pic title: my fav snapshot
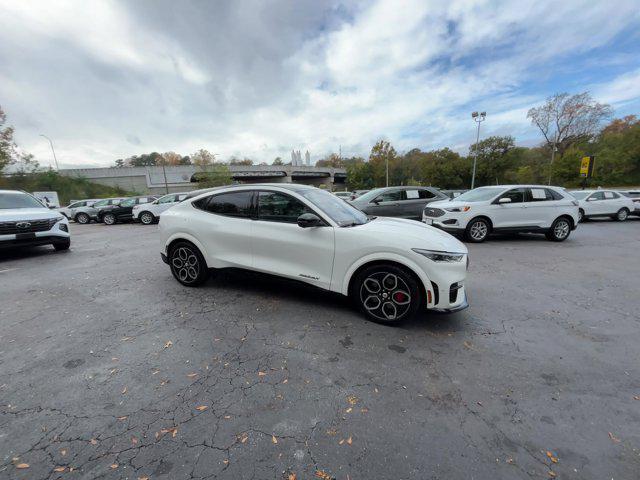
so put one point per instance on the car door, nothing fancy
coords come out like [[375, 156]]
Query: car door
[[613, 202], [222, 223], [595, 204], [387, 204], [414, 200], [281, 247], [540, 206], [510, 215]]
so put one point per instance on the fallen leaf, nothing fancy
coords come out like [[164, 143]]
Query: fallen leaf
[[227, 417], [225, 461], [348, 410], [155, 372], [332, 431], [112, 371], [614, 438], [126, 339], [292, 476], [262, 374], [244, 439], [479, 403], [122, 418], [201, 408], [114, 466], [510, 461], [143, 478], [551, 457], [352, 399], [22, 465], [349, 440], [286, 380], [467, 345], [341, 442], [274, 439], [637, 397], [168, 344], [323, 475], [59, 469], [63, 452], [191, 375], [134, 440], [124, 390], [552, 474], [93, 441], [364, 410]]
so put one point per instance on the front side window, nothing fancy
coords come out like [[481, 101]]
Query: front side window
[[597, 196], [18, 200], [128, 203], [232, 204], [391, 196], [516, 195], [167, 199], [279, 207], [102, 203]]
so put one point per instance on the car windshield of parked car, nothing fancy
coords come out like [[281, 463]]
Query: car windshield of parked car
[[338, 210], [370, 195], [18, 200], [580, 195], [481, 194]]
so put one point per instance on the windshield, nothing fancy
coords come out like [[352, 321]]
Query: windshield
[[128, 203], [18, 200], [580, 195], [481, 194], [338, 210], [101, 203], [370, 195]]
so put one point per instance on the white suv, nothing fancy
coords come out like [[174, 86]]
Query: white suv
[[391, 267], [603, 203], [25, 222], [148, 213], [506, 208]]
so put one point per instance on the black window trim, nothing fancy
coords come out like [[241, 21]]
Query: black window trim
[[255, 207]]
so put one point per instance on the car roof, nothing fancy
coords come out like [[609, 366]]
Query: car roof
[[14, 191], [294, 187]]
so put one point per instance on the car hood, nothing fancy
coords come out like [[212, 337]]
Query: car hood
[[412, 233], [16, 214], [447, 204]]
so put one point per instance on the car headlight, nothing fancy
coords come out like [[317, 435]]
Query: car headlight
[[438, 256], [458, 209], [61, 217]]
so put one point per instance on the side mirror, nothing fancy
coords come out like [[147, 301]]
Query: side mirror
[[376, 201], [307, 220], [51, 207], [590, 199], [504, 200]]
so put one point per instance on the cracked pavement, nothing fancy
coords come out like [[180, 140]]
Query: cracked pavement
[[110, 369]]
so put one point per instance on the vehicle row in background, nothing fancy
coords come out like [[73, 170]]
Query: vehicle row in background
[[403, 202], [149, 213], [121, 211], [506, 208]]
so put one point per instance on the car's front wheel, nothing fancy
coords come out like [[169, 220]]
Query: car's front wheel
[[187, 264], [109, 219], [622, 215], [477, 230], [560, 230], [386, 293], [580, 215], [146, 218], [83, 218]]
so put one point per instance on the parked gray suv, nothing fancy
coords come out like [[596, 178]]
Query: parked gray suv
[[404, 202]]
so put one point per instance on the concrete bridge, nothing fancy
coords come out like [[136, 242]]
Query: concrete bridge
[[159, 180]]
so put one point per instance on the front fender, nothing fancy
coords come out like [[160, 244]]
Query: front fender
[[184, 236], [390, 257]]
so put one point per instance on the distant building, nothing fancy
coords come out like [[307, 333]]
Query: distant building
[[307, 159]]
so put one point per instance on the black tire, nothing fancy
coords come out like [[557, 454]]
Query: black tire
[[146, 218], [63, 245], [622, 215], [187, 264], [109, 219], [560, 230], [477, 230], [394, 305], [581, 216], [83, 218]]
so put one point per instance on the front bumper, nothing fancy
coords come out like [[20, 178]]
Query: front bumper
[[31, 240], [464, 304]]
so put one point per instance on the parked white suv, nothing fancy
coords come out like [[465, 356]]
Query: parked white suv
[[26, 222], [603, 203], [391, 267], [506, 208], [149, 213]]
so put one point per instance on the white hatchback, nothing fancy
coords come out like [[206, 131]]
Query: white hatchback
[[506, 208], [391, 267], [603, 203], [149, 213]]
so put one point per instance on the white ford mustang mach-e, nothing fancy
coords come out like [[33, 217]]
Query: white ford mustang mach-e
[[392, 268]]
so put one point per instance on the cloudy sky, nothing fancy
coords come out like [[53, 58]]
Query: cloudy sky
[[108, 79]]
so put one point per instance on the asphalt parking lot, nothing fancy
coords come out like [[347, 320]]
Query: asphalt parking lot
[[111, 369]]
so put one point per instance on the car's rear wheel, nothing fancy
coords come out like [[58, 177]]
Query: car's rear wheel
[[187, 264], [109, 219], [83, 218], [62, 245], [386, 293], [477, 230], [622, 215], [560, 230], [146, 218]]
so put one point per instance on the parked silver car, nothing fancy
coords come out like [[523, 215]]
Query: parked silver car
[[404, 202], [90, 211], [74, 207]]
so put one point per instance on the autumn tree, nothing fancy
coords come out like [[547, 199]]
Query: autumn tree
[[7, 145], [277, 161], [203, 158], [171, 159], [567, 119], [381, 159], [332, 160]]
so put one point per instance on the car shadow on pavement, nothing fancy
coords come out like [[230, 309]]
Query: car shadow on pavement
[[7, 254]]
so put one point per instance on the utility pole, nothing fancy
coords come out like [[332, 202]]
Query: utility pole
[[478, 118], [52, 150], [553, 157], [164, 173]]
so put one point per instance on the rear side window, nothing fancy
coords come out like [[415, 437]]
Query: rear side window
[[232, 204], [279, 207], [542, 195], [610, 195], [392, 196]]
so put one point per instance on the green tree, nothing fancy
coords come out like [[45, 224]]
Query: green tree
[[277, 161], [7, 145], [493, 160], [382, 154], [332, 160], [216, 175]]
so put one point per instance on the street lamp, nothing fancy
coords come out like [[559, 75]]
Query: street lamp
[[478, 118], [54, 152]]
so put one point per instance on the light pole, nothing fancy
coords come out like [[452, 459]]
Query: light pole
[[386, 161], [54, 152], [478, 118]]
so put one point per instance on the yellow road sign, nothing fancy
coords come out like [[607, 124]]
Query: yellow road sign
[[586, 166]]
